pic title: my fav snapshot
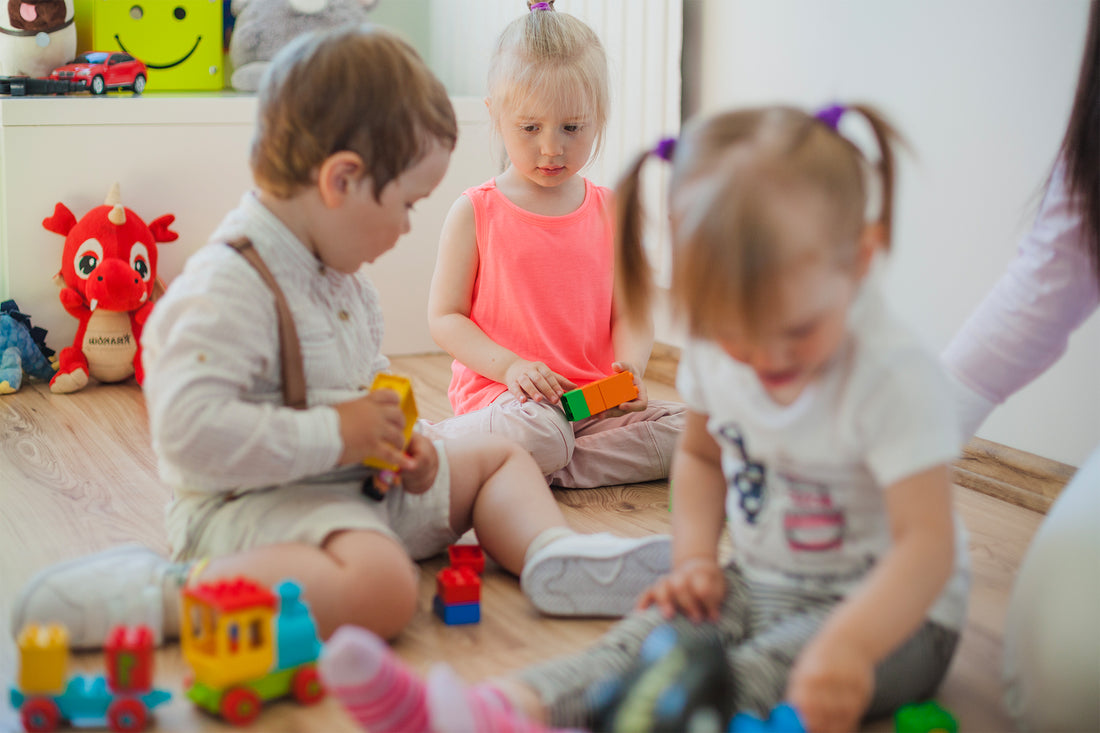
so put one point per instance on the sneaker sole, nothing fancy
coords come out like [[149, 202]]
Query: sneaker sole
[[575, 586]]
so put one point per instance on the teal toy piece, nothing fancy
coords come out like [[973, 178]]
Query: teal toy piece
[[87, 701], [297, 641], [22, 349]]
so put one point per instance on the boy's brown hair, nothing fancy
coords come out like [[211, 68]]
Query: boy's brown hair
[[361, 89]]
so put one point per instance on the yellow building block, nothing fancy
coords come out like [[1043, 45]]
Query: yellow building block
[[403, 387], [44, 658]]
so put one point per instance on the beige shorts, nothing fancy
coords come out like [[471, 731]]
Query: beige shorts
[[214, 525]]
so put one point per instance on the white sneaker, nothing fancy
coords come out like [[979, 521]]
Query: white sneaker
[[92, 594], [594, 574]]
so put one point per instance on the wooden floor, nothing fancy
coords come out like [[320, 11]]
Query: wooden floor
[[77, 475]]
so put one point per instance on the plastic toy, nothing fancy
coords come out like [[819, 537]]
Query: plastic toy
[[783, 719], [678, 684], [603, 394], [109, 269], [469, 556], [246, 646], [457, 596], [22, 349], [122, 700], [924, 717], [98, 71], [28, 86], [386, 477], [36, 36], [262, 27], [179, 41]]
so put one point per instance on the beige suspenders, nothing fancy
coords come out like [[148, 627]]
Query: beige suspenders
[[294, 378]]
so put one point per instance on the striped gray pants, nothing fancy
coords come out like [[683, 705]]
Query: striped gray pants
[[762, 629]]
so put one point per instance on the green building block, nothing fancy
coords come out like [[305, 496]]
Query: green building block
[[575, 405], [924, 717]]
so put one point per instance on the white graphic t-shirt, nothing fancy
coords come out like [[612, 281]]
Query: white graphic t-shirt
[[805, 503]]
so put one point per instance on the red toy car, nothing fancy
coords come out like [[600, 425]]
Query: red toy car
[[99, 71]]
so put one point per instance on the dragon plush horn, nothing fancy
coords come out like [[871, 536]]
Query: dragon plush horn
[[114, 200]]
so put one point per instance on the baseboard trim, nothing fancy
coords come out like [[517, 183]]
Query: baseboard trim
[[997, 470]]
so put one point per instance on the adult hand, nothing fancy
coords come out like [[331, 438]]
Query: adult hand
[[536, 381], [694, 588]]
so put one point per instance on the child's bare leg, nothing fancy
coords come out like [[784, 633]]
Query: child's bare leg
[[356, 577], [497, 488]]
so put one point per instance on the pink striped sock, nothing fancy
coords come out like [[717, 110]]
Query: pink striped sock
[[374, 686], [454, 708]]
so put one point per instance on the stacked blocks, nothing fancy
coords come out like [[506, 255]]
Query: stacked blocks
[[458, 587], [603, 394]]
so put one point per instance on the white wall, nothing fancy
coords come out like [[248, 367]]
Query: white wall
[[982, 90]]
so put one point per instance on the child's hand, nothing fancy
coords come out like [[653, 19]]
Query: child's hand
[[536, 381], [639, 403], [694, 588], [831, 685], [372, 425], [420, 466]]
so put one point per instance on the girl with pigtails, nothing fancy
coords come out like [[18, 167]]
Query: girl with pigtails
[[522, 296], [819, 431]]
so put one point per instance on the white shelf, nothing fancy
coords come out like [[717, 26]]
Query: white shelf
[[184, 154]]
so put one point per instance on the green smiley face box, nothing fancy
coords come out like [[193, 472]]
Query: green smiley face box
[[179, 41]]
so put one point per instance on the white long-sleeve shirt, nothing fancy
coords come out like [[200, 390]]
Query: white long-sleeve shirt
[[1023, 325], [213, 378]]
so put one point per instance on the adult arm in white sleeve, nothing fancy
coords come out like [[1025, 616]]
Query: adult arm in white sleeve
[[1023, 325]]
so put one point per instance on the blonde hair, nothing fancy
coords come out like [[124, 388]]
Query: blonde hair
[[744, 171], [550, 56], [361, 89]]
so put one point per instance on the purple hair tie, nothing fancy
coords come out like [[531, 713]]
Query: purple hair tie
[[540, 6], [665, 148], [831, 115]]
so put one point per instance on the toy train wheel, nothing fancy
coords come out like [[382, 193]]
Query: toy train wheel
[[40, 714], [127, 715], [240, 706], [307, 686]]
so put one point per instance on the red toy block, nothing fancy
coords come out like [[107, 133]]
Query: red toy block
[[458, 585], [129, 651], [469, 556]]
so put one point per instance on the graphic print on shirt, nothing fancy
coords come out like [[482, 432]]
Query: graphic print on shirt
[[811, 523], [748, 482]]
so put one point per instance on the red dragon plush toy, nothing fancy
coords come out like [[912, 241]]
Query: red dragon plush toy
[[109, 269]]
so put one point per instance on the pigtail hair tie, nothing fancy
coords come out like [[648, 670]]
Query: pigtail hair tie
[[665, 149], [831, 115], [539, 6]]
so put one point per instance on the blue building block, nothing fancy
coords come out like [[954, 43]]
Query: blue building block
[[456, 614], [783, 719]]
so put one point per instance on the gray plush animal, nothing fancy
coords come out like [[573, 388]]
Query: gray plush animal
[[262, 27]]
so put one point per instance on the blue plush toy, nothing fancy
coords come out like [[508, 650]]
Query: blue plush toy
[[22, 349]]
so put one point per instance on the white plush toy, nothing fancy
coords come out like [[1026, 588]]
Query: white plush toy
[[262, 27], [36, 36]]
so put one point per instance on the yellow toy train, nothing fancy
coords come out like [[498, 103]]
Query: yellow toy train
[[246, 645]]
